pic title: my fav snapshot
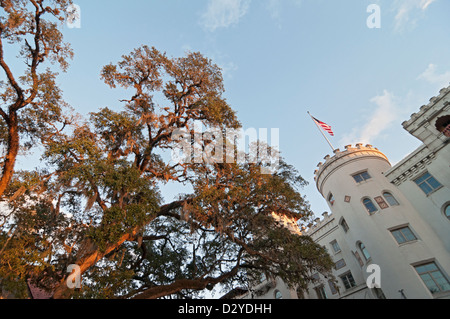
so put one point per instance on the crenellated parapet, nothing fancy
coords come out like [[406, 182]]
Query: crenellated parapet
[[340, 158], [427, 111], [319, 225]]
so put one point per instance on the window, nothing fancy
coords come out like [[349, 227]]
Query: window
[[348, 280], [278, 295], [447, 211], [339, 264], [433, 278], [320, 291], [370, 206], [390, 199], [446, 130], [262, 278], [443, 125], [331, 199], [315, 277], [403, 235], [361, 177], [333, 287], [427, 183], [344, 225], [335, 245], [358, 258], [364, 251]]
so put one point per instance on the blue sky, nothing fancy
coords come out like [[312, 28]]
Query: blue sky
[[280, 59]]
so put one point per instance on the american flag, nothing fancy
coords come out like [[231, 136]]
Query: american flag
[[323, 125]]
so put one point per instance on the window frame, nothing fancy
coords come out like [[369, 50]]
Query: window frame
[[358, 258], [321, 292], [344, 225], [364, 251], [399, 230], [361, 176], [333, 243], [363, 200], [446, 208], [390, 197], [333, 288], [433, 278], [425, 182], [340, 264], [346, 280]]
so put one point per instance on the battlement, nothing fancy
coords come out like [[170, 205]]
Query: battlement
[[425, 108], [342, 157], [317, 224]]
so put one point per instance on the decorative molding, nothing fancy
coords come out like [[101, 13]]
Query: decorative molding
[[413, 170], [344, 157]]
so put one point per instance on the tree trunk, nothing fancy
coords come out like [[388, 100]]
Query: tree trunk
[[195, 284], [181, 284], [12, 151], [88, 256], [89, 253]]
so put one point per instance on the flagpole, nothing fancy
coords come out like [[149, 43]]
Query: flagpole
[[321, 131]]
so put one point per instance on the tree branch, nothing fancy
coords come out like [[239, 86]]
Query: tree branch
[[182, 284], [90, 254], [8, 72]]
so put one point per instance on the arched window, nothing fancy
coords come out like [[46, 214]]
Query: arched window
[[364, 251], [443, 125], [344, 225], [447, 211], [390, 199], [370, 206]]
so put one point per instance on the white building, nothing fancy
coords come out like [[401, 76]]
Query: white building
[[396, 218], [389, 224]]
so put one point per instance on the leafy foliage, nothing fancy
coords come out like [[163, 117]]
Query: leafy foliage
[[97, 204]]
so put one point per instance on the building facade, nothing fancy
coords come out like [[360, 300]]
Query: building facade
[[389, 231], [389, 227]]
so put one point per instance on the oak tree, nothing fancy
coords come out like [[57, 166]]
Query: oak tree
[[31, 102], [98, 204]]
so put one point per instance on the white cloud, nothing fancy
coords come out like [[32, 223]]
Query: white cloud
[[228, 68], [409, 12], [430, 75], [385, 113], [224, 13], [425, 3], [275, 8]]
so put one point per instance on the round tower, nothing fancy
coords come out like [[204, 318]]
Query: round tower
[[341, 172]]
